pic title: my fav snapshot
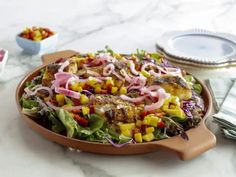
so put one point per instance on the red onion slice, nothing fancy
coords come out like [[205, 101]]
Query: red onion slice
[[143, 68], [108, 69], [52, 106], [120, 145], [128, 78], [63, 66], [132, 68], [162, 95], [118, 76], [29, 92], [133, 100], [67, 92]]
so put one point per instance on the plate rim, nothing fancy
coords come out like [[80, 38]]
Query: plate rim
[[163, 44]]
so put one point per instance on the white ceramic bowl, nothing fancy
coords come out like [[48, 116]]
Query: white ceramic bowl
[[34, 47]]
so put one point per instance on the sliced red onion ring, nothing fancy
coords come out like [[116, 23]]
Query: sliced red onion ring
[[52, 106], [70, 82], [102, 58], [29, 92], [67, 92], [120, 145], [63, 66], [93, 73], [133, 100], [132, 68], [108, 69], [118, 76], [154, 73], [162, 95], [143, 68], [128, 78]]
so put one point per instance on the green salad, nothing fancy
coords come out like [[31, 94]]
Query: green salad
[[108, 97]]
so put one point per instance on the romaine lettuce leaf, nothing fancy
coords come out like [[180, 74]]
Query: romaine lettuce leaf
[[71, 125]]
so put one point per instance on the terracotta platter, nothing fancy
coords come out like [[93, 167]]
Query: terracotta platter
[[200, 138]]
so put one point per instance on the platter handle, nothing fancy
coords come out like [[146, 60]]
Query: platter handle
[[200, 140], [52, 57]]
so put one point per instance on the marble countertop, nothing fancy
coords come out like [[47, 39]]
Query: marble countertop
[[87, 26]]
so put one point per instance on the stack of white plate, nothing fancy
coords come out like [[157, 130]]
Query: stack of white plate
[[199, 47]]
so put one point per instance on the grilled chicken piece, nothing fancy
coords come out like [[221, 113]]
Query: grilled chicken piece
[[174, 85], [48, 75], [115, 109], [73, 67]]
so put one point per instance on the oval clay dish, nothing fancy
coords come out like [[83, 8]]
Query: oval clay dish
[[200, 138]]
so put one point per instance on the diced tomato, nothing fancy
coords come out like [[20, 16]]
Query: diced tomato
[[76, 101], [161, 125], [82, 121], [143, 114]]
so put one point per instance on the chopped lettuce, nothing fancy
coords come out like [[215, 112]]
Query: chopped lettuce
[[71, 125], [28, 103], [30, 112], [57, 126], [95, 122], [194, 84], [197, 88]]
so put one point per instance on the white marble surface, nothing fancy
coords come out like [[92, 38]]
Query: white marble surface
[[87, 26]]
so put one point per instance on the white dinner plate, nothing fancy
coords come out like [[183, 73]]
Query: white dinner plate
[[199, 46]]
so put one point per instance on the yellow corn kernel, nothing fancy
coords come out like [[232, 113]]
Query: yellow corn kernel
[[123, 90], [148, 137], [138, 137], [145, 74], [84, 99], [114, 90], [85, 110], [138, 123], [126, 133], [127, 126], [149, 130], [60, 98]]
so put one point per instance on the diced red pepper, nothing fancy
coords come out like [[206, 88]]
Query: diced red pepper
[[82, 121], [76, 101], [76, 111], [143, 127], [143, 114], [161, 125], [109, 87]]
